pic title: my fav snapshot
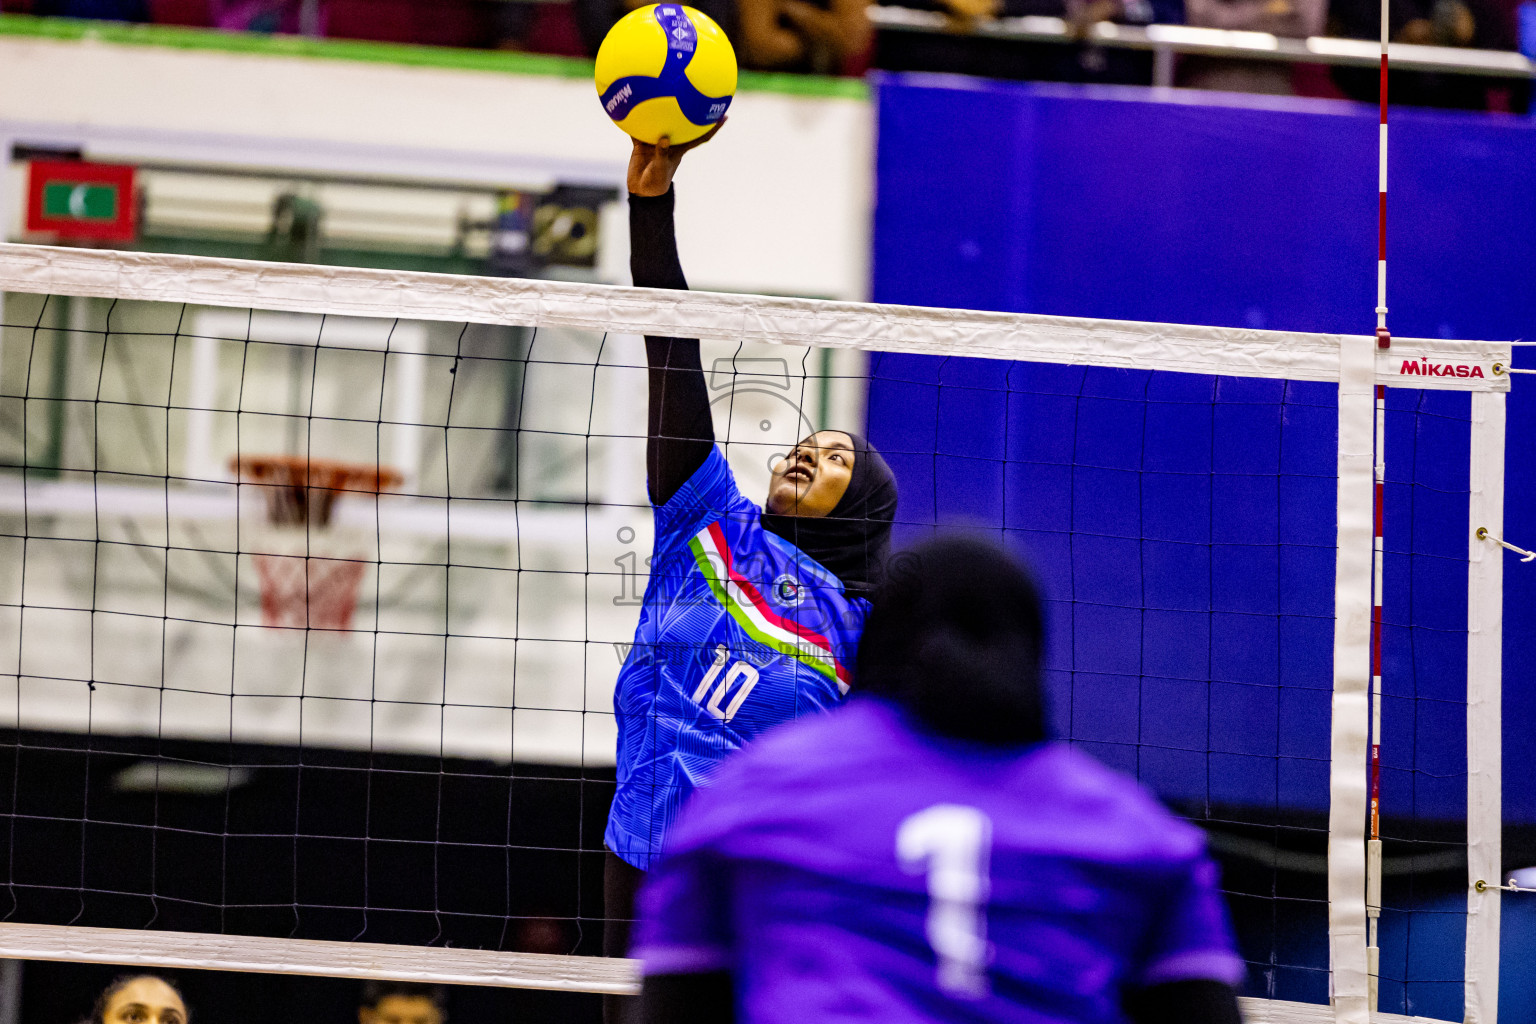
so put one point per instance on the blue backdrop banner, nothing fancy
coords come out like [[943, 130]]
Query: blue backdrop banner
[[1183, 527]]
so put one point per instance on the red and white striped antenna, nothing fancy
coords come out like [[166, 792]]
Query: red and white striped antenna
[[1383, 340], [1383, 336]]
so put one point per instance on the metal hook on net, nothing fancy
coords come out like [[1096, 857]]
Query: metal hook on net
[[1483, 534], [1510, 886]]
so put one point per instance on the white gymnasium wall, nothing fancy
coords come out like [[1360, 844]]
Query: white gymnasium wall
[[121, 568], [780, 203]]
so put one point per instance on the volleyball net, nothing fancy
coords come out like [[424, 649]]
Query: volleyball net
[[316, 582]]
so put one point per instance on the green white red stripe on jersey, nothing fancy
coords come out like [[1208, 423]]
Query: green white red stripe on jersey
[[741, 599]]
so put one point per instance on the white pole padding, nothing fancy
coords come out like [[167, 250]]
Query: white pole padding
[[1350, 971], [1485, 749], [1373, 872]]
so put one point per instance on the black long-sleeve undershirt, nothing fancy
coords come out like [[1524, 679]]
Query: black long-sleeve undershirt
[[680, 433]]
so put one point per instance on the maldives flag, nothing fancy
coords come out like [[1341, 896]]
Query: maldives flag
[[82, 200]]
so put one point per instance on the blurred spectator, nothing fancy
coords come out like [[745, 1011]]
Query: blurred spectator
[[824, 36], [401, 1002], [140, 999], [429, 22], [291, 16], [1096, 63], [830, 37], [102, 10], [1295, 18], [963, 53], [1481, 24], [194, 13], [538, 27]]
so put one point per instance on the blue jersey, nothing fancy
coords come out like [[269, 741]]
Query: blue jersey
[[739, 630], [856, 869]]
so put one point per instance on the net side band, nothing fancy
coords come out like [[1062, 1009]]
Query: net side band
[[1224, 351], [1485, 716], [1351, 682]]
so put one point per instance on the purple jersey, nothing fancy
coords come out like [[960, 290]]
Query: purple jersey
[[851, 868]]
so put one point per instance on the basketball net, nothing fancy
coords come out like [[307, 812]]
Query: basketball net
[[302, 587]]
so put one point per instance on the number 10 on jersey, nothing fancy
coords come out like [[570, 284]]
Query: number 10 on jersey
[[740, 675]]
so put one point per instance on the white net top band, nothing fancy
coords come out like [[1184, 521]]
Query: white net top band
[[432, 965], [1226, 351]]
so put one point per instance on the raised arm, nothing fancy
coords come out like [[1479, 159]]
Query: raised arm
[[680, 434]]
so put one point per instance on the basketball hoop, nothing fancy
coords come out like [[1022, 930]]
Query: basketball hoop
[[299, 588]]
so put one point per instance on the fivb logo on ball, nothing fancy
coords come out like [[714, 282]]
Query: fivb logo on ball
[[666, 70]]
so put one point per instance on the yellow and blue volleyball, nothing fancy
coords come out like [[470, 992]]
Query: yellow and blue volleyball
[[666, 70]]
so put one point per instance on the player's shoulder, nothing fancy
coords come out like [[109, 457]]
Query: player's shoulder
[[709, 483], [1129, 818], [708, 509]]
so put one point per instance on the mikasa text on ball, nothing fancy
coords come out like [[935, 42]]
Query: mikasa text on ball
[[666, 70]]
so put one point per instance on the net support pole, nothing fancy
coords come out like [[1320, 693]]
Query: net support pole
[[1353, 603], [1485, 622], [1383, 341], [1383, 338], [1378, 562]]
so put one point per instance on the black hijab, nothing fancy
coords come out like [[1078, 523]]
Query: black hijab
[[955, 635], [853, 539]]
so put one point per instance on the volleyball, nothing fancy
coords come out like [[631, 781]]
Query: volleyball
[[666, 70]]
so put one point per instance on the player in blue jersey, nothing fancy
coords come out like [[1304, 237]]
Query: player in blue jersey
[[752, 614], [924, 854]]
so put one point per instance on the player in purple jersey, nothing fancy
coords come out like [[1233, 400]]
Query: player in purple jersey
[[752, 614], [924, 853]]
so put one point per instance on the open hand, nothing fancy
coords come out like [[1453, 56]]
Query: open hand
[[651, 167]]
